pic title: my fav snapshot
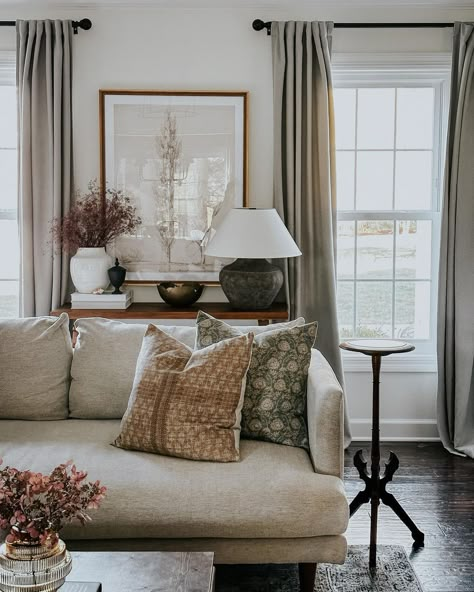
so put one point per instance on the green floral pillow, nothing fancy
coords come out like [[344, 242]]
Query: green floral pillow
[[275, 394]]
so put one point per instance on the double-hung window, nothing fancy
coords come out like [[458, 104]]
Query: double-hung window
[[390, 128], [9, 242]]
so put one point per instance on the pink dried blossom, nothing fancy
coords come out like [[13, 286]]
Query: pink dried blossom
[[35, 507]]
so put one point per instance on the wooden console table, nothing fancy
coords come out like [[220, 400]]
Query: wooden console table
[[278, 312]]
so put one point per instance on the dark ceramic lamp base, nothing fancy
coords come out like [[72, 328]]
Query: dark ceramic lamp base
[[251, 284]]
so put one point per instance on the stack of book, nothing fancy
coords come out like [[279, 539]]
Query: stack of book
[[106, 300]]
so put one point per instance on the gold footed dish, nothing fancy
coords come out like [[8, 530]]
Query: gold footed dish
[[180, 293]]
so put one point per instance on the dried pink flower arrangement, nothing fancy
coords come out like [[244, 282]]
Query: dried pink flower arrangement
[[94, 221], [34, 507]]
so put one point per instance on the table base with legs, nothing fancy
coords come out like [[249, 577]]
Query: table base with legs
[[375, 487]]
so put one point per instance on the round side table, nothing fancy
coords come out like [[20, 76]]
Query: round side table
[[375, 487]]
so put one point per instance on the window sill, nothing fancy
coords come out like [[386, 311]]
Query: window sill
[[406, 363]]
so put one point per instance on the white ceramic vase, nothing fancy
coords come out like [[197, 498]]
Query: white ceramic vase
[[89, 269]]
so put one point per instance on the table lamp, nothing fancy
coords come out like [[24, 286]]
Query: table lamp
[[251, 236]]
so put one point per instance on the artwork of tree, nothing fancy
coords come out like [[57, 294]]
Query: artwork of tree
[[182, 159], [169, 149]]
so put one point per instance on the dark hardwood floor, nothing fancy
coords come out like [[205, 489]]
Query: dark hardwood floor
[[437, 490]]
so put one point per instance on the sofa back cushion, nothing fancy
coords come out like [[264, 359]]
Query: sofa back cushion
[[103, 367], [105, 359], [35, 362]]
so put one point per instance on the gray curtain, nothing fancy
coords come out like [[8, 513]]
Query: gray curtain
[[304, 175], [45, 158], [456, 272]]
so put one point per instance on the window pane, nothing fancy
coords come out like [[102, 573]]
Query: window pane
[[9, 301], [375, 249], [8, 119], [345, 180], [413, 255], [412, 310], [345, 249], [374, 309], [376, 118], [413, 180], [9, 251], [345, 309], [344, 107], [374, 180], [8, 197], [415, 107]]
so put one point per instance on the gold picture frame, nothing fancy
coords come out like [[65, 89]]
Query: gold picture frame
[[182, 157]]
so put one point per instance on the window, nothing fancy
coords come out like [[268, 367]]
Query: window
[[9, 242], [389, 143]]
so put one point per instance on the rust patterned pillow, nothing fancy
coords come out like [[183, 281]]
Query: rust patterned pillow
[[184, 403], [275, 397]]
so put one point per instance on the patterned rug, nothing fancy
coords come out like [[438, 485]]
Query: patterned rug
[[394, 574]]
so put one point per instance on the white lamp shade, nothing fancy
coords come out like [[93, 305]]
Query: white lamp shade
[[250, 233]]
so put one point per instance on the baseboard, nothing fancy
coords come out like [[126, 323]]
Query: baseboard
[[397, 430]]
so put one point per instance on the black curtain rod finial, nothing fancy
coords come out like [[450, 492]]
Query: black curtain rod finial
[[259, 25], [84, 24]]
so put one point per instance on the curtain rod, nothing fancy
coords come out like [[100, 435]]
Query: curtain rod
[[84, 24], [259, 25]]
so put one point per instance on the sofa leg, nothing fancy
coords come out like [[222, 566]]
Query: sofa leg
[[307, 575]]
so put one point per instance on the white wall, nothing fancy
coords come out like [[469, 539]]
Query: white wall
[[216, 49]]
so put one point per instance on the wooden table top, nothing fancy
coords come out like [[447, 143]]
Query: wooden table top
[[380, 347], [139, 571], [160, 310]]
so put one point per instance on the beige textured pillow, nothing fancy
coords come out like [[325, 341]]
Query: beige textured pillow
[[103, 367], [35, 361], [184, 403]]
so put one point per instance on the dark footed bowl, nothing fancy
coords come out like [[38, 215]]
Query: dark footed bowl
[[180, 294]]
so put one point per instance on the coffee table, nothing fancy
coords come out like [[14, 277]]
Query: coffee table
[[136, 571]]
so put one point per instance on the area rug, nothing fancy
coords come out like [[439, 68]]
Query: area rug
[[394, 574]]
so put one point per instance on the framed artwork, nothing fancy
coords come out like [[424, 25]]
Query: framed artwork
[[181, 157]]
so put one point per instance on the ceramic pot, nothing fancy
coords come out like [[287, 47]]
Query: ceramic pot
[[89, 269], [30, 567]]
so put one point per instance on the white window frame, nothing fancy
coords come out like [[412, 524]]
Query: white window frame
[[7, 78], [406, 69]]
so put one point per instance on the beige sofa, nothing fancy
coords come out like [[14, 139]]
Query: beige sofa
[[277, 505]]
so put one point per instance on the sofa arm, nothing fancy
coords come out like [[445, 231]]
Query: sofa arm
[[325, 414]]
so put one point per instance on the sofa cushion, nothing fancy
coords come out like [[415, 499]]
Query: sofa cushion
[[103, 367], [187, 403], [35, 361], [105, 358], [271, 493]]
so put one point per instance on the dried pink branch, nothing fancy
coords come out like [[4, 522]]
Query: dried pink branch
[[34, 507], [93, 221]]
